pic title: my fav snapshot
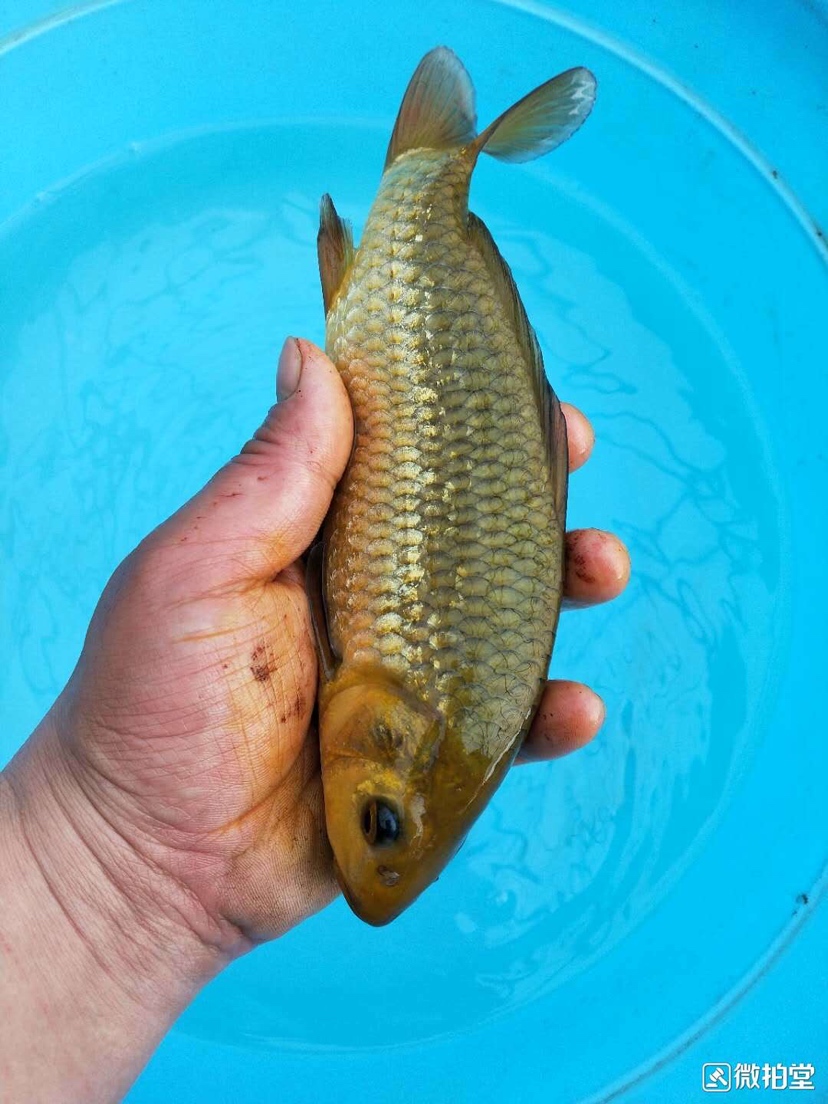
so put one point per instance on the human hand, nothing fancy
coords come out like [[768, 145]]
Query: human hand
[[167, 814], [187, 725]]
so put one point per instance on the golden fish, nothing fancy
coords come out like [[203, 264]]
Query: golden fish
[[436, 589]]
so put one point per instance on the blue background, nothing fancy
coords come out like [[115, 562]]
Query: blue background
[[617, 919]]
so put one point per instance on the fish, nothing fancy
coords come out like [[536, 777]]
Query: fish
[[436, 585]]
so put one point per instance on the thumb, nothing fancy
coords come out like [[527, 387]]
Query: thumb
[[262, 510]]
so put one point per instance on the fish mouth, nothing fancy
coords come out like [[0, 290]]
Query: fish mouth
[[375, 907]]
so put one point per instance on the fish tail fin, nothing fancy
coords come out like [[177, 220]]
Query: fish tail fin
[[542, 120], [437, 111]]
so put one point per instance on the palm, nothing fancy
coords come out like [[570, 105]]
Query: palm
[[205, 738]]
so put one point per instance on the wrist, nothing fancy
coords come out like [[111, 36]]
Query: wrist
[[101, 949], [132, 914]]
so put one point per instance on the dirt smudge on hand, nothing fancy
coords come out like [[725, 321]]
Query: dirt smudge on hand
[[260, 665]]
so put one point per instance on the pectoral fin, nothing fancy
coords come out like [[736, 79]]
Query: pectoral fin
[[335, 249], [542, 120], [314, 588], [553, 423]]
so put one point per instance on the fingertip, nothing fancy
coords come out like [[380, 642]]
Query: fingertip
[[597, 567], [569, 716], [264, 507], [312, 354], [317, 410], [580, 436]]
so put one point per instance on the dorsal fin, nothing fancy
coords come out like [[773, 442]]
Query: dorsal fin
[[553, 423], [437, 111], [542, 120], [335, 250]]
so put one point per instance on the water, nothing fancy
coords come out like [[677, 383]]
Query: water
[[159, 243], [152, 332]]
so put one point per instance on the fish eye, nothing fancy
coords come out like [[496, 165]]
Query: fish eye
[[380, 823]]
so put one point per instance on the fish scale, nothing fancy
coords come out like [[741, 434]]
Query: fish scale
[[435, 589], [433, 505]]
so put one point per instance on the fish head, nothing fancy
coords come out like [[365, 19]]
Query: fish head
[[378, 743]]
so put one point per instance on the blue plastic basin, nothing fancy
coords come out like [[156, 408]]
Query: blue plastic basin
[[612, 915]]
